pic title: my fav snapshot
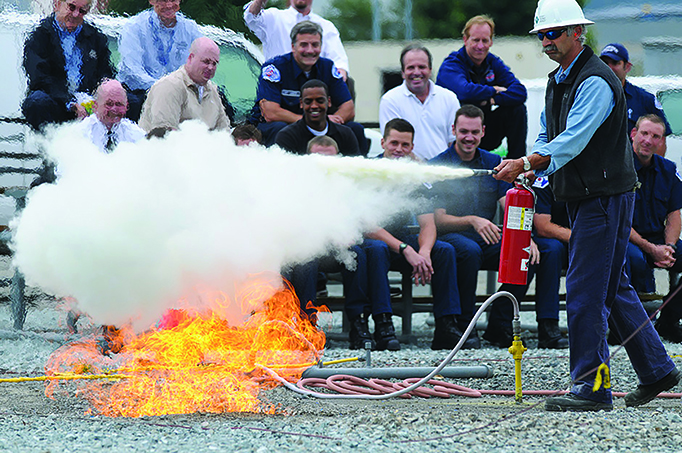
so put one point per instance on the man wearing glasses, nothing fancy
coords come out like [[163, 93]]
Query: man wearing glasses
[[152, 44], [584, 148], [64, 59]]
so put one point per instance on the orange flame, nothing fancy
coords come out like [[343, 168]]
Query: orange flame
[[195, 362]]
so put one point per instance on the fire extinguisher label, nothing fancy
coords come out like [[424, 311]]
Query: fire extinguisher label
[[519, 218], [524, 265]]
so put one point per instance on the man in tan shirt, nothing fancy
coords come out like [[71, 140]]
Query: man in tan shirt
[[187, 93]]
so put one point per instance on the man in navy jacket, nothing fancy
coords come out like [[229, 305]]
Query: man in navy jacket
[[482, 79], [64, 59]]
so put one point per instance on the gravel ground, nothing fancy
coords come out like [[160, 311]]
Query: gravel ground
[[31, 422]]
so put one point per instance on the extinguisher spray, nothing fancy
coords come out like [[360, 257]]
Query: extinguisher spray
[[516, 233]]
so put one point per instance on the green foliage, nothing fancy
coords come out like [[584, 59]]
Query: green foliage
[[353, 18]]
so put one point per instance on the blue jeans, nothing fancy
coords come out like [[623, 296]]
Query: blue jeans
[[597, 287], [443, 282], [39, 108]]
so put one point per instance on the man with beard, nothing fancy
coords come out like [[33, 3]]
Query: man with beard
[[315, 103], [428, 107], [273, 26], [584, 148], [152, 44], [187, 93]]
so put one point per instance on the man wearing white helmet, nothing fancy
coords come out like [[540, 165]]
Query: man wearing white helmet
[[583, 147]]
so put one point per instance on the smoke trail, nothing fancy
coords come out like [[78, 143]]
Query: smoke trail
[[130, 233]]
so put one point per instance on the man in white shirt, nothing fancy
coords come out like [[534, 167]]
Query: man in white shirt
[[272, 26], [429, 108], [152, 44], [107, 126]]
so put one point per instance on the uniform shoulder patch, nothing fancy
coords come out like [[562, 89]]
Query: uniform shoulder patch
[[541, 182], [336, 73], [271, 73]]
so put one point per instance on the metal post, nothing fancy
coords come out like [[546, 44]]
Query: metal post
[[376, 20]]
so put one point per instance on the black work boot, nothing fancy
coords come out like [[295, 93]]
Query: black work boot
[[359, 333], [446, 335], [499, 335], [668, 329], [549, 335], [472, 341], [384, 333]]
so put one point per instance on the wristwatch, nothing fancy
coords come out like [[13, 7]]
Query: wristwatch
[[526, 163], [401, 248]]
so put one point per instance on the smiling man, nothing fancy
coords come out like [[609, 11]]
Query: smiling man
[[64, 59], [482, 79], [152, 44], [315, 102], [281, 79], [583, 147], [108, 126], [187, 93], [429, 108]]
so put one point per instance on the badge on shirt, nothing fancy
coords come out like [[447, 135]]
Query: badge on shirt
[[541, 182], [336, 73], [271, 73], [490, 76], [93, 54]]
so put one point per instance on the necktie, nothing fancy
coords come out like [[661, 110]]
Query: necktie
[[111, 141]]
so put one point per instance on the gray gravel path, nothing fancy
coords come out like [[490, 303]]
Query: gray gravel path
[[30, 422]]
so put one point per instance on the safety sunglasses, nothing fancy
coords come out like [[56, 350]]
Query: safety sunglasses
[[73, 8], [551, 35]]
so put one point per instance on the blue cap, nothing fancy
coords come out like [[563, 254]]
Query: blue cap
[[616, 52]]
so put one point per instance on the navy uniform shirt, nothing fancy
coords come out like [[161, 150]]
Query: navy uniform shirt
[[660, 194], [640, 102], [281, 79], [546, 204], [476, 195]]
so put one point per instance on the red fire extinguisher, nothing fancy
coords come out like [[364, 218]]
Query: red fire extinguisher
[[516, 233]]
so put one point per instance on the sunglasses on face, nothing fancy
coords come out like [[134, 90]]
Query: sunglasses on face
[[73, 8], [551, 35]]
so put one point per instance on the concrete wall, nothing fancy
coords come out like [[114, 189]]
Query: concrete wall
[[369, 60]]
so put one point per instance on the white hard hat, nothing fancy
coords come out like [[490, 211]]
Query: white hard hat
[[558, 13]]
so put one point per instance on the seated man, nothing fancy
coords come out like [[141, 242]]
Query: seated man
[[639, 101], [279, 87], [430, 108], [108, 127], [465, 209], [656, 223], [303, 277], [431, 261], [315, 103], [245, 134], [482, 79], [273, 27], [64, 59], [152, 44], [187, 93]]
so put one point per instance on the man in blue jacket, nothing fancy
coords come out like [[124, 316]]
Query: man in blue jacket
[[64, 59], [482, 79]]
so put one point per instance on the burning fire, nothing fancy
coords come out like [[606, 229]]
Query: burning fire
[[192, 362]]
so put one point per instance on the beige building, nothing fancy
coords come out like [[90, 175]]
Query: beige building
[[372, 65]]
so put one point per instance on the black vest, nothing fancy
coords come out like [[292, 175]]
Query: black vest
[[606, 166]]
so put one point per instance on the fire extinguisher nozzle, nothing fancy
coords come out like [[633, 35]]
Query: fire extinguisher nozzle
[[484, 172]]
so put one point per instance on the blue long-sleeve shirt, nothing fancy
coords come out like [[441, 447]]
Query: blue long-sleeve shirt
[[149, 50], [475, 84], [593, 103]]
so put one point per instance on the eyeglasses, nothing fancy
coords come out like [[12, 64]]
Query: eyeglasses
[[73, 8], [551, 35]]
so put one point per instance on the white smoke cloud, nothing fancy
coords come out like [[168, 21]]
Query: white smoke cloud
[[130, 233]]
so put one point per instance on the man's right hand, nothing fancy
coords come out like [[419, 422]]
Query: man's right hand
[[663, 256], [422, 269], [490, 232]]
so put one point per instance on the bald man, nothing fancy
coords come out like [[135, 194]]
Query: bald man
[[187, 93], [108, 127]]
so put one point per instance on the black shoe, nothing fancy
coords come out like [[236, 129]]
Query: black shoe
[[646, 393], [549, 335], [359, 333], [498, 335], [384, 333], [472, 341], [669, 330], [446, 335], [575, 403]]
